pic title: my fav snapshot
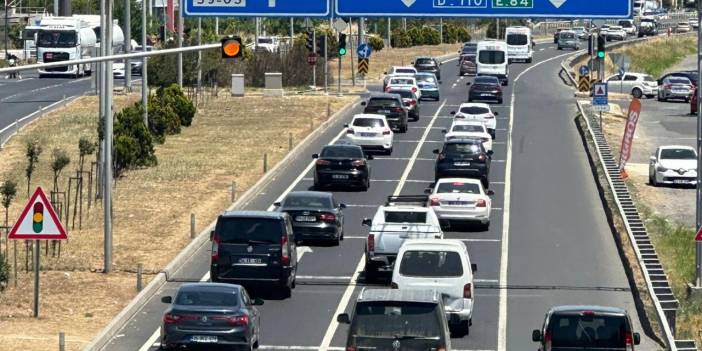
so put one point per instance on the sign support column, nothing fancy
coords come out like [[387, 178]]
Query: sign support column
[[698, 244], [37, 252]]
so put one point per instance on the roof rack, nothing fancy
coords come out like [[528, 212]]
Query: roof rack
[[407, 199]]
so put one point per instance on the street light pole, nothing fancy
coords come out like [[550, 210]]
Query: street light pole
[[128, 44], [698, 244], [144, 68]]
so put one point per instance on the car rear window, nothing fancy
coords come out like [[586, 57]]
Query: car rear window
[[475, 110], [242, 230], [462, 148], [208, 298], [405, 217], [383, 102], [431, 264], [306, 201], [405, 71], [390, 319], [425, 61], [678, 154], [517, 39], [679, 81], [648, 79], [458, 188], [469, 58], [467, 128], [578, 331], [368, 122], [345, 152], [567, 35], [402, 81], [405, 94], [486, 80]]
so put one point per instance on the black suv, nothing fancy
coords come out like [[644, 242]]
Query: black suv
[[389, 105], [463, 158], [428, 64], [586, 327], [342, 164], [254, 248]]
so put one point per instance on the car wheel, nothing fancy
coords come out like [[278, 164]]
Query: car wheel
[[660, 97], [652, 180], [560, 48], [637, 93], [528, 60], [365, 185], [388, 151], [499, 101], [403, 129], [485, 226], [486, 182], [285, 291], [470, 100]]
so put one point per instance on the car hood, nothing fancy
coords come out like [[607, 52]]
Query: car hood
[[678, 164]]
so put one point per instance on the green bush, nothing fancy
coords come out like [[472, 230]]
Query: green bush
[[400, 39], [416, 36], [4, 272], [174, 97], [431, 36], [163, 120], [376, 43], [133, 144]]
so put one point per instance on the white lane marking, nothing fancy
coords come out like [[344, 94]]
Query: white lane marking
[[504, 259], [324, 277], [330, 348], [485, 280], [151, 342], [346, 297], [390, 180], [369, 206], [542, 49]]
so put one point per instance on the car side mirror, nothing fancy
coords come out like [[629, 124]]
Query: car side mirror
[[490, 192], [473, 267], [258, 301], [342, 205], [444, 131], [367, 222], [653, 158], [496, 113], [435, 151], [167, 299], [453, 112], [428, 191], [490, 152], [467, 83], [211, 235], [277, 204], [343, 318], [369, 157], [315, 155], [363, 103], [536, 335], [637, 338]]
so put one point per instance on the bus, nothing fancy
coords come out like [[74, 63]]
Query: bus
[[519, 44], [492, 60]]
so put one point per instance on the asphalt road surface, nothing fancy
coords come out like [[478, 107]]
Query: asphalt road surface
[[548, 244]]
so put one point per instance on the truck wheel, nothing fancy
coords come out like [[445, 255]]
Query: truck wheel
[[371, 271]]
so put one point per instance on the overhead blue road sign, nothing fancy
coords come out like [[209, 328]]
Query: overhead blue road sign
[[258, 8], [364, 51], [485, 8]]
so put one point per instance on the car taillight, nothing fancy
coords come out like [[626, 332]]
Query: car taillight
[[397, 109], [323, 163], [350, 348], [349, 131], [414, 89], [489, 116], [394, 285], [481, 203], [388, 89], [413, 102], [285, 252], [666, 86], [215, 247], [629, 341], [170, 318], [327, 217], [386, 131], [238, 321], [435, 201], [358, 163], [371, 243], [547, 341], [460, 116], [468, 291], [441, 348]]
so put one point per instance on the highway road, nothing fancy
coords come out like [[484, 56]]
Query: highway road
[[549, 242]]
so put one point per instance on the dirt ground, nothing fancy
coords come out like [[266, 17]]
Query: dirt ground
[[152, 206]]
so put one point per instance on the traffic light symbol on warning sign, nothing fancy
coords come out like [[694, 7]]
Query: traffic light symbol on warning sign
[[38, 221], [38, 217]]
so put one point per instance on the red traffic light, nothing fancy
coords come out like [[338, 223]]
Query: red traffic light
[[232, 47]]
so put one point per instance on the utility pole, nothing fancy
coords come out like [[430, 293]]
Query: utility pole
[[441, 30], [314, 67], [404, 23], [353, 48], [498, 28], [292, 31], [7, 56], [199, 54], [128, 44], [106, 94], [179, 38], [326, 63], [144, 68], [698, 244], [389, 32]]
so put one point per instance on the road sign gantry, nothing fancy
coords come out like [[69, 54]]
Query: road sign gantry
[[258, 8]]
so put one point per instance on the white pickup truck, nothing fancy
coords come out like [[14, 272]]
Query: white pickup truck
[[401, 218]]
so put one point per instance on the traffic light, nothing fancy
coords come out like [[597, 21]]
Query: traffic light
[[38, 217], [601, 42], [321, 45], [342, 44], [232, 47], [310, 40]]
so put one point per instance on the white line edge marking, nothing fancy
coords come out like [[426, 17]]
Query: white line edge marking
[[151, 342], [346, 297], [504, 261]]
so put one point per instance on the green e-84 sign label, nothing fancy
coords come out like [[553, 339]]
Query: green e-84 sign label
[[513, 4]]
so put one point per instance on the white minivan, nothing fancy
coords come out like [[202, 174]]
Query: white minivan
[[443, 265], [519, 44], [492, 60]]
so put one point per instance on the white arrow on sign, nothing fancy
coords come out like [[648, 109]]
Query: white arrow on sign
[[409, 3], [558, 3]]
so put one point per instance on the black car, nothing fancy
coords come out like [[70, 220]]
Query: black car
[[463, 158], [428, 64], [211, 314], [342, 164], [469, 49], [648, 28], [254, 248], [390, 106], [485, 88], [409, 99], [315, 215], [691, 75], [585, 328]]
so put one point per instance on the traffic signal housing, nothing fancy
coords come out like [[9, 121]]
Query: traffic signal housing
[[309, 44], [321, 45], [38, 217], [232, 47], [601, 43], [342, 44]]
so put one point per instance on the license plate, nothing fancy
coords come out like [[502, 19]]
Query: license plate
[[250, 260], [204, 338], [340, 176], [679, 91], [383, 111], [305, 219], [461, 163], [484, 94], [679, 181], [458, 203], [367, 135]]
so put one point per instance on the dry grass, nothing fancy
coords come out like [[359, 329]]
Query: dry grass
[[381, 60], [152, 206]]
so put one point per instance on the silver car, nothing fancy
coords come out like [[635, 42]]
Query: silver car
[[568, 39], [675, 88]]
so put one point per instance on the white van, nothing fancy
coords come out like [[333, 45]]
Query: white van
[[492, 60], [519, 44], [444, 265]]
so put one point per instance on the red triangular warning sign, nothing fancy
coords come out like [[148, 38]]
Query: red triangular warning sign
[[698, 236], [38, 221]]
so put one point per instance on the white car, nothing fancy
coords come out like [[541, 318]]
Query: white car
[[471, 130], [673, 164], [616, 33], [461, 199], [477, 111], [637, 84], [682, 27], [398, 71], [404, 82], [443, 265], [371, 132]]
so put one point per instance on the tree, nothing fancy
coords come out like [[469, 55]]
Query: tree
[[85, 148], [59, 161], [33, 151], [8, 190]]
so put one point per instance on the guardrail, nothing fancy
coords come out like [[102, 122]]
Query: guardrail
[[657, 284]]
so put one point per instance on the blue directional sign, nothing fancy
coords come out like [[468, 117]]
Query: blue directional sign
[[584, 70], [364, 51], [600, 97], [258, 8], [485, 8]]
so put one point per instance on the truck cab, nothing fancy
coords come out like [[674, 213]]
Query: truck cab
[[64, 39]]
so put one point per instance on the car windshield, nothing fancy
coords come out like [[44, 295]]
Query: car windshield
[[491, 57], [475, 110], [467, 128], [458, 188], [58, 39], [306, 201], [390, 319], [578, 331], [424, 61], [342, 152], [567, 35], [405, 217], [431, 264], [679, 81], [402, 81], [405, 71], [461, 148], [678, 154], [625, 24], [517, 39], [243, 230], [578, 29], [208, 298], [383, 102], [405, 94], [368, 122]]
